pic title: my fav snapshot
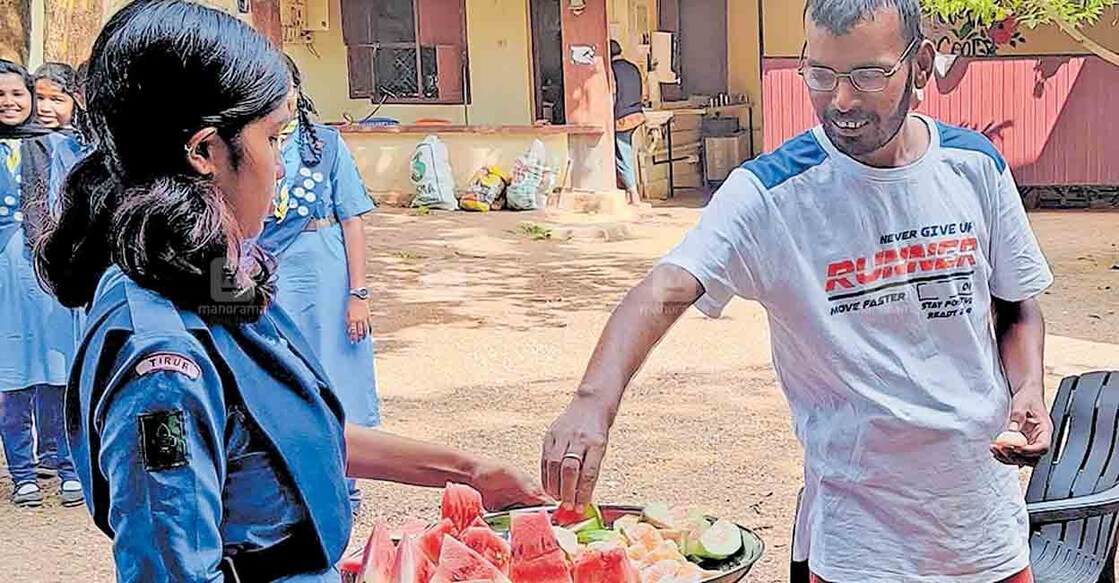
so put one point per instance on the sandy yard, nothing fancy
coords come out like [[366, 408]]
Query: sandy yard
[[482, 334]]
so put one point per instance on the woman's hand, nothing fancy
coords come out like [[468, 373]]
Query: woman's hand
[[504, 487], [357, 319]]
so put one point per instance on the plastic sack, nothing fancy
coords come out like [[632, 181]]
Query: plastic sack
[[432, 177], [486, 191], [532, 179]]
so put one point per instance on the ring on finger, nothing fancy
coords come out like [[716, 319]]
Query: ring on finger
[[572, 456]]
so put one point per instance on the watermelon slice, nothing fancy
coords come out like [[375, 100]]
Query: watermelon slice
[[412, 565], [607, 566], [531, 535], [431, 542], [462, 504], [351, 566], [458, 562], [537, 556], [485, 542], [378, 557], [550, 568]]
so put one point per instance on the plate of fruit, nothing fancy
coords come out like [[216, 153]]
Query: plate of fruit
[[604, 544]]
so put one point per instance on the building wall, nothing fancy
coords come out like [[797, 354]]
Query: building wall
[[499, 52], [784, 33], [744, 63]]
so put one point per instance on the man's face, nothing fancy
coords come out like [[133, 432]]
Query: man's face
[[859, 122]]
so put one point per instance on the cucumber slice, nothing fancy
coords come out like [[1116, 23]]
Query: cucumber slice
[[595, 536], [720, 541]]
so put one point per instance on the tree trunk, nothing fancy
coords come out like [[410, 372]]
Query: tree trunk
[[15, 30], [73, 26]]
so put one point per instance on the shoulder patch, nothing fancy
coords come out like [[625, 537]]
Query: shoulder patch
[[957, 138], [162, 440], [793, 158], [169, 361]]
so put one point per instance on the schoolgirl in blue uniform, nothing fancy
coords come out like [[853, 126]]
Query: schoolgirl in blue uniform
[[37, 335], [59, 107], [316, 236], [206, 433]]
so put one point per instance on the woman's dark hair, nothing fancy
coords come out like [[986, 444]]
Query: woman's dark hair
[[65, 77], [9, 68], [310, 150], [160, 71]]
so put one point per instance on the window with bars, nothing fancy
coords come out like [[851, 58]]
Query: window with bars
[[406, 51]]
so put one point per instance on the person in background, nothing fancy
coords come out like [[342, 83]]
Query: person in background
[[208, 438], [854, 236], [58, 106], [315, 233], [629, 115], [58, 98], [36, 333]]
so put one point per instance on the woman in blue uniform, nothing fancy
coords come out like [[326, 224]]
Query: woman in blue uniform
[[206, 434], [316, 236], [58, 106], [37, 338]]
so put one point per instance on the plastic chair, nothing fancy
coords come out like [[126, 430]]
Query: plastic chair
[[1073, 494]]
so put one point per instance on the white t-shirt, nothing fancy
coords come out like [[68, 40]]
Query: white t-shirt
[[878, 287]]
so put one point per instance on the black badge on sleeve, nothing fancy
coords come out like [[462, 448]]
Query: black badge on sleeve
[[163, 440]]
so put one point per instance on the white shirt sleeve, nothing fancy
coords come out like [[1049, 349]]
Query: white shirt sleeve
[[719, 249], [1018, 267]]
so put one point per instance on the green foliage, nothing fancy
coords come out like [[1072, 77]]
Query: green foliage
[[1028, 13]]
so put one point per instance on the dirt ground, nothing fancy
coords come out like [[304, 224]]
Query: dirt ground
[[482, 334]]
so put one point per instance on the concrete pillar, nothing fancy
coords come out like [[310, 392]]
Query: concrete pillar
[[588, 100]]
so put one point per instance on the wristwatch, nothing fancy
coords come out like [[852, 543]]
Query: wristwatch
[[361, 293]]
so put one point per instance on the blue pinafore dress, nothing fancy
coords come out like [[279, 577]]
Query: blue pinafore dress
[[38, 336], [312, 274]]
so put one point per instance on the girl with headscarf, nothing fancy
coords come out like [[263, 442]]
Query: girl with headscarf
[[315, 233], [59, 106], [59, 103], [37, 340]]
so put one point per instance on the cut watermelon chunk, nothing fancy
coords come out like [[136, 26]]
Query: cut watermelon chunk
[[458, 562], [537, 556], [550, 568], [351, 566], [485, 542], [412, 565], [608, 566], [378, 557], [462, 504], [431, 542], [531, 535]]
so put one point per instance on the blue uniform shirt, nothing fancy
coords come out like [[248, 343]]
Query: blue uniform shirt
[[196, 442]]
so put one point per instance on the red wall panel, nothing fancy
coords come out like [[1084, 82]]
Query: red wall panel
[[1056, 119]]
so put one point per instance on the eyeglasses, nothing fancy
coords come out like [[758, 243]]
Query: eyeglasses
[[865, 79]]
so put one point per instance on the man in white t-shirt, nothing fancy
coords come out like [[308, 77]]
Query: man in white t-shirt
[[899, 274]]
